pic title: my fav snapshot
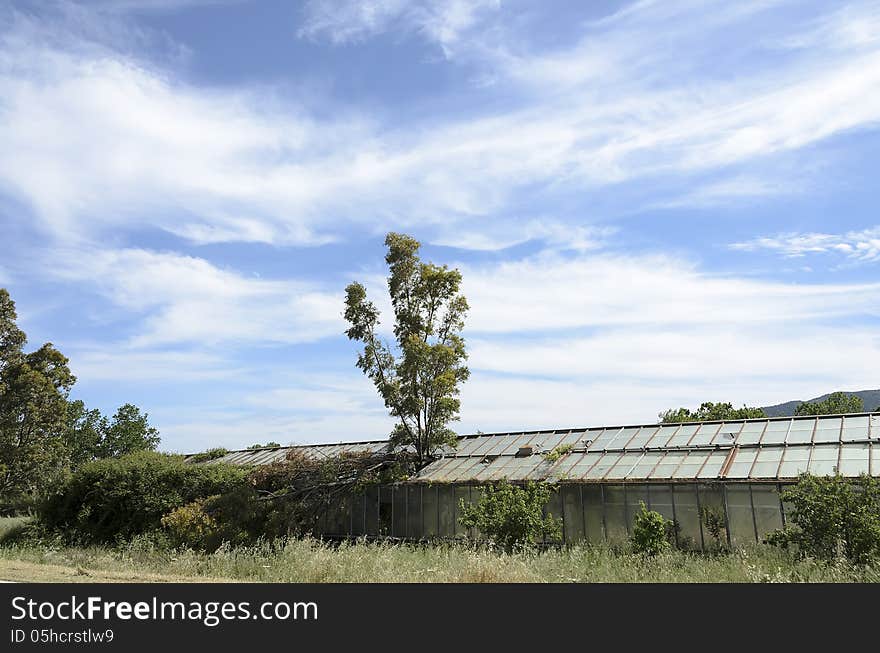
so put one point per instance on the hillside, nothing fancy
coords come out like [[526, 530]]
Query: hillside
[[871, 398]]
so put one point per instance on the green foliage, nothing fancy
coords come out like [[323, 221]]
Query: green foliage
[[557, 452], [210, 454], [512, 517], [90, 436], [33, 399], [117, 498], [837, 403], [709, 411], [236, 518], [419, 378], [833, 517], [268, 445], [651, 532]]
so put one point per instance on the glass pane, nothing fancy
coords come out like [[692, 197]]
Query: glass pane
[[358, 513], [582, 465], [824, 460], [742, 463], [645, 465], [794, 461], [801, 431], [615, 513], [854, 459], [635, 494], [624, 465], [739, 515], [604, 464], [775, 432], [398, 527], [664, 433], [828, 430], [641, 438], [573, 515], [430, 511], [446, 499], [385, 492], [768, 512], [462, 493], [593, 513], [751, 432], [683, 435], [855, 428], [622, 438], [554, 509], [602, 440], [712, 516], [767, 463], [414, 511], [371, 511], [666, 467], [713, 466], [691, 465], [687, 516], [705, 435], [661, 500], [727, 434]]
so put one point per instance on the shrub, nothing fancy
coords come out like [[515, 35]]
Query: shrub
[[210, 454], [651, 532], [833, 517], [557, 452], [512, 517], [116, 498]]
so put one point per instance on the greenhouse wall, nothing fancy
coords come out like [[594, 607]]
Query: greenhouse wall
[[591, 513]]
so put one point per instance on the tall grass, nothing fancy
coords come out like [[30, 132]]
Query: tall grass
[[310, 560]]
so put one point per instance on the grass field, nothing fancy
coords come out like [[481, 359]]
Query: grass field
[[309, 560]]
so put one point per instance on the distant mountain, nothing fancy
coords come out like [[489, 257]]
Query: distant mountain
[[871, 399]]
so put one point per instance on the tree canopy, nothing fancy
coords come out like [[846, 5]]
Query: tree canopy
[[709, 411], [837, 403], [419, 376]]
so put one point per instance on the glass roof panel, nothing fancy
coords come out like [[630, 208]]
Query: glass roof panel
[[875, 460], [855, 428], [645, 465], [602, 440], [582, 466], [727, 434], [666, 467], [691, 465], [742, 463], [621, 439], [828, 430], [775, 432], [705, 434], [601, 468], [683, 435], [824, 460], [623, 466], [751, 432], [712, 468], [662, 436], [641, 438], [854, 459], [801, 431]]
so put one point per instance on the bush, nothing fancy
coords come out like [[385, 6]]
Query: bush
[[651, 532], [512, 517], [115, 499], [210, 454], [834, 517]]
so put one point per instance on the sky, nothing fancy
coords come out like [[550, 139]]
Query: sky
[[652, 203]]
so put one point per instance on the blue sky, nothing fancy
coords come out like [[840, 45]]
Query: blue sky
[[653, 204]]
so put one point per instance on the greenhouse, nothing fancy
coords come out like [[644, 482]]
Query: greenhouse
[[718, 481]]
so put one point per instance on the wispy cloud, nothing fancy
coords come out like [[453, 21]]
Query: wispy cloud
[[859, 246]]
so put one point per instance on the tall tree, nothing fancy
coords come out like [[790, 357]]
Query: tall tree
[[33, 404], [419, 377], [709, 411], [90, 435], [837, 403]]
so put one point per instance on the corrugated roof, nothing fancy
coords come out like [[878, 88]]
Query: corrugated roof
[[754, 449]]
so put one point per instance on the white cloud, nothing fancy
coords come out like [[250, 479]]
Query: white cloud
[[439, 21], [858, 246], [184, 299]]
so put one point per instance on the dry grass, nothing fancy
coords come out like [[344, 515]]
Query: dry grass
[[309, 560]]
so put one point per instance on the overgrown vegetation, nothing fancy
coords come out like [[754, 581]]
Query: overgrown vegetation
[[512, 517], [652, 533], [557, 452], [208, 455], [833, 517]]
